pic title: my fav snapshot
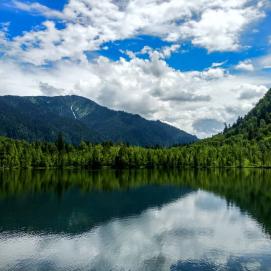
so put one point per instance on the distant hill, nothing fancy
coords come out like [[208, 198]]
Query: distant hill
[[42, 118], [256, 125]]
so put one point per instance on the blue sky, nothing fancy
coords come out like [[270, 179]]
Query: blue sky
[[194, 64]]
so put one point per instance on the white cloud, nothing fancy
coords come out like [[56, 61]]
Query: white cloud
[[48, 90], [264, 62], [163, 52], [220, 29], [248, 91], [245, 65], [150, 86], [167, 51], [215, 25], [145, 86], [37, 9], [219, 64], [3, 36], [214, 73], [208, 126]]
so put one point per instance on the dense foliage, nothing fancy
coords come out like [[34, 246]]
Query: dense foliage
[[206, 154], [78, 118], [246, 144]]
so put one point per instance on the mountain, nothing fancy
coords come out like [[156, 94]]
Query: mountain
[[245, 144], [42, 118], [256, 125]]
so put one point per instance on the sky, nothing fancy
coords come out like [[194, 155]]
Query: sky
[[194, 64]]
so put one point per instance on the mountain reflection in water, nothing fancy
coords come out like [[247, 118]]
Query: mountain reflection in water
[[135, 220]]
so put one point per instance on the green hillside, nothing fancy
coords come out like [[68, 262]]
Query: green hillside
[[77, 118], [246, 144], [256, 125]]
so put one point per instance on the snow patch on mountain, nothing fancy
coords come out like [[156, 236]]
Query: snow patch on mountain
[[73, 112]]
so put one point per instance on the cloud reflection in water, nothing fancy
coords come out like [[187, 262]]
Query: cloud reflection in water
[[192, 233]]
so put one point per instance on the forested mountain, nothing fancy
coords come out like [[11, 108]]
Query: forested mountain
[[256, 124], [253, 127], [42, 118], [246, 144]]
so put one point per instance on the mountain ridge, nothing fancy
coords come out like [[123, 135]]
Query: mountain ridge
[[246, 144], [254, 127], [78, 118], [256, 124]]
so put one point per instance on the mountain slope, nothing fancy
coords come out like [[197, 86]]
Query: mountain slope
[[256, 125], [78, 118]]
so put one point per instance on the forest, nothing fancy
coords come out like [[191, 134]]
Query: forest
[[209, 153], [247, 143]]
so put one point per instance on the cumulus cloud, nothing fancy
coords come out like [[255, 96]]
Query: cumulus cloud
[[239, 110], [168, 50], [264, 62], [48, 90], [207, 126], [49, 60], [215, 25], [220, 29], [187, 97], [162, 53], [149, 87], [219, 64], [214, 73], [37, 9], [249, 91], [245, 65], [4, 27]]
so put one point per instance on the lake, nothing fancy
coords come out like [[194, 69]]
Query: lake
[[135, 220]]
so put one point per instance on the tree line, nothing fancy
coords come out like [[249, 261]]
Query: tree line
[[218, 151]]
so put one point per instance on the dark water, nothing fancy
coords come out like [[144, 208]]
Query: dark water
[[135, 220]]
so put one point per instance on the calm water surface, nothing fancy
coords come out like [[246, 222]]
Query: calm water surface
[[135, 220]]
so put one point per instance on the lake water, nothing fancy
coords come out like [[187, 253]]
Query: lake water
[[135, 220]]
